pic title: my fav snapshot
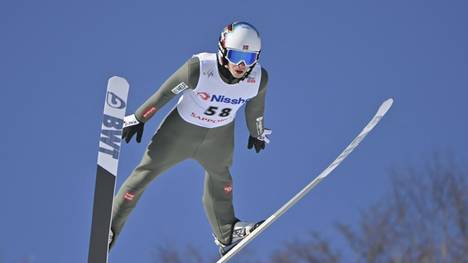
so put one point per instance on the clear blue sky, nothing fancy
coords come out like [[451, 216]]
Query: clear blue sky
[[331, 64]]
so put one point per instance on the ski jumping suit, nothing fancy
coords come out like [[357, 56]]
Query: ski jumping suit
[[200, 127]]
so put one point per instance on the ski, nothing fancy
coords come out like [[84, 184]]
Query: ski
[[107, 163], [367, 129]]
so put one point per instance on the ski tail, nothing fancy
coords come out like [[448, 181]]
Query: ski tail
[[107, 164], [98, 249], [383, 109]]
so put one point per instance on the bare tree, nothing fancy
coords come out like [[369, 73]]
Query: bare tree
[[312, 250], [423, 219], [169, 254]]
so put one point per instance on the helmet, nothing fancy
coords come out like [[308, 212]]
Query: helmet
[[239, 42]]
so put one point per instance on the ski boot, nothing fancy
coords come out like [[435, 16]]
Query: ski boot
[[239, 232], [111, 239]]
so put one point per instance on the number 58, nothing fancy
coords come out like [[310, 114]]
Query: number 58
[[212, 111]]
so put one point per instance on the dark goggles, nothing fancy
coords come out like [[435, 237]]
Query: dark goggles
[[236, 57]]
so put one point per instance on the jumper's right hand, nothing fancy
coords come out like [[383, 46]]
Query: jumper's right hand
[[131, 126]]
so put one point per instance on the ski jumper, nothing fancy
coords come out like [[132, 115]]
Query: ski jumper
[[200, 127]]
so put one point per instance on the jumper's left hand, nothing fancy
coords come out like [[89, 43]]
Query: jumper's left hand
[[131, 126], [260, 141]]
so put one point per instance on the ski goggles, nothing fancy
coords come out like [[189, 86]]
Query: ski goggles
[[236, 57]]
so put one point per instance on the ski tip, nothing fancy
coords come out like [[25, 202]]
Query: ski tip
[[116, 80], [386, 105]]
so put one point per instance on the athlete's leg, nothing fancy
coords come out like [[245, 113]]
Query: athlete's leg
[[217, 201], [215, 155], [172, 143]]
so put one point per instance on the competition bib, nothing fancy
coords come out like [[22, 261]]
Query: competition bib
[[213, 102]]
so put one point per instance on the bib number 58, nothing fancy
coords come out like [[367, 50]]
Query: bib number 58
[[213, 110]]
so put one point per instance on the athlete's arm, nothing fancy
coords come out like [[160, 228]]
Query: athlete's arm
[[185, 77], [255, 107], [254, 110]]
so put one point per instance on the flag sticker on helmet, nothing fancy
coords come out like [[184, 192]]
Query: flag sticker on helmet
[[179, 88], [245, 47]]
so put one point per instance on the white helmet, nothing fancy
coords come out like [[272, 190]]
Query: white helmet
[[243, 37]]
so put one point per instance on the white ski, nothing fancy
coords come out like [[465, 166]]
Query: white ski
[[377, 117], [108, 158]]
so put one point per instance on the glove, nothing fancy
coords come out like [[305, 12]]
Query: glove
[[131, 126], [260, 141]]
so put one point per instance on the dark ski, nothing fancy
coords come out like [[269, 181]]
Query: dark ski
[[108, 158]]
